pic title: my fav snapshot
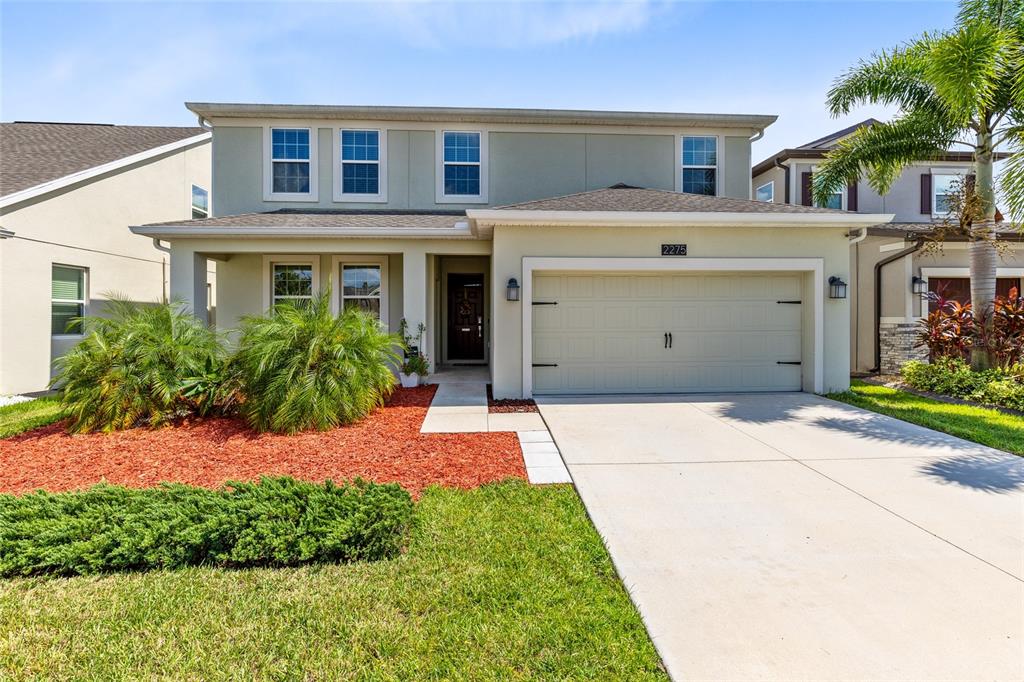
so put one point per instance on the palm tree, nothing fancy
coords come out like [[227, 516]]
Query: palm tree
[[961, 87]]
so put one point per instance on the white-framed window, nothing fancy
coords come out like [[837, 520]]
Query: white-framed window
[[361, 165], [942, 185], [462, 176], [290, 279], [68, 287], [835, 200], [700, 164], [200, 202], [766, 192], [363, 284], [290, 164]]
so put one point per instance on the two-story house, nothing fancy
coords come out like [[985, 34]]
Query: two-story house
[[568, 251], [68, 192], [893, 278]]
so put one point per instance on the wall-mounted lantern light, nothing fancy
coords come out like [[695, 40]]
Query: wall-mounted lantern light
[[512, 291], [836, 287], [919, 285]]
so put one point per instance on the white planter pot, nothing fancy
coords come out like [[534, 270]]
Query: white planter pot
[[409, 380]]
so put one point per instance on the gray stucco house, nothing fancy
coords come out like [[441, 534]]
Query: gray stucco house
[[568, 251], [888, 258]]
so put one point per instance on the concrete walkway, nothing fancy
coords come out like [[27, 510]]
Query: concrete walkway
[[787, 536], [460, 406]]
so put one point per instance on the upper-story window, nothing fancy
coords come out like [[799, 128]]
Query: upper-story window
[[942, 186], [362, 174], [200, 202], [290, 165], [700, 165], [463, 171], [766, 192], [835, 200]]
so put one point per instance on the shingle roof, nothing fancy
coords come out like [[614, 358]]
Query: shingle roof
[[638, 199], [326, 218], [34, 153], [829, 141]]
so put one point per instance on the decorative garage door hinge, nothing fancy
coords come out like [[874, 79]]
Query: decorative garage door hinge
[[789, 362], [545, 364], [789, 302], [545, 303]]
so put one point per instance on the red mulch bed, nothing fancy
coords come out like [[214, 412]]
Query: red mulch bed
[[508, 404], [386, 446]]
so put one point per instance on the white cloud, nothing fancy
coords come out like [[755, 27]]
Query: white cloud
[[510, 25]]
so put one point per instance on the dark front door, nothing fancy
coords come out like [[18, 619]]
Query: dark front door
[[465, 317]]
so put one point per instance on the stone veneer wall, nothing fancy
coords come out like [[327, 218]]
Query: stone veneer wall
[[897, 341]]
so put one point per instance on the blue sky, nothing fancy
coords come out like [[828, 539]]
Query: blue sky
[[137, 62]]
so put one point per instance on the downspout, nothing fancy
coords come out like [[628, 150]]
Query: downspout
[[918, 243], [163, 264], [785, 169]]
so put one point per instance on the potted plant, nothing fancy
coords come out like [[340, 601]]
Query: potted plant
[[415, 365], [413, 369]]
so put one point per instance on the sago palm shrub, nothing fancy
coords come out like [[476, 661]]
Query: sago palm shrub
[[133, 366], [303, 367]]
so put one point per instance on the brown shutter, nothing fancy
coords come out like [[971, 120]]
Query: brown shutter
[[805, 189], [851, 197], [926, 193]]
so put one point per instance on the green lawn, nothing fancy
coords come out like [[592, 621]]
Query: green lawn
[[507, 582], [28, 415], [978, 424]]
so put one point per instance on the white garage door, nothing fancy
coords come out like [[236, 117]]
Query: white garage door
[[636, 333]]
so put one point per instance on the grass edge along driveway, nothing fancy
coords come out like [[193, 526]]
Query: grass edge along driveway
[[507, 581], [978, 424]]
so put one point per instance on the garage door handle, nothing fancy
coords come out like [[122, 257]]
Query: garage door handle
[[670, 339], [666, 339]]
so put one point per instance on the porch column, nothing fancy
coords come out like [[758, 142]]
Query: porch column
[[414, 294], [188, 280]]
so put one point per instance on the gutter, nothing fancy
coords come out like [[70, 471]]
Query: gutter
[[899, 255], [785, 168]]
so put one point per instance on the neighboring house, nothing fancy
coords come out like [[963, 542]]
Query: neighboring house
[[68, 193], [569, 251], [884, 328]]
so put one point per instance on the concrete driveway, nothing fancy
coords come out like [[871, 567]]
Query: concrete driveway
[[784, 536]]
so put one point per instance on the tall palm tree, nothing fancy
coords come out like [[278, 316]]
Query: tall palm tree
[[960, 87]]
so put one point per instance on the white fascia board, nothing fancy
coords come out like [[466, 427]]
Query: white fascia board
[[655, 219], [175, 231], [96, 171]]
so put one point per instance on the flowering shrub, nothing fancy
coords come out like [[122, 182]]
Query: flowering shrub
[[951, 330]]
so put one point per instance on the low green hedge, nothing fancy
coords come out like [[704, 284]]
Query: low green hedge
[[954, 377], [275, 522]]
